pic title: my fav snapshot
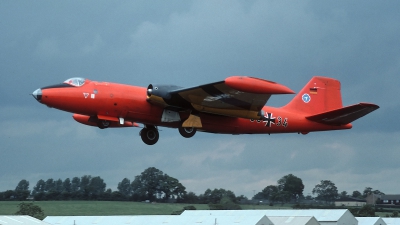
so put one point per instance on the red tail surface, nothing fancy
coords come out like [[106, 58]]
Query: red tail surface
[[321, 94]]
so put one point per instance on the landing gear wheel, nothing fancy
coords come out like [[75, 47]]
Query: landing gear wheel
[[149, 135], [187, 132], [103, 124]]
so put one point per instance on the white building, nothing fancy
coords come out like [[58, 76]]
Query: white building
[[370, 221], [290, 220], [323, 216], [20, 220], [158, 220], [392, 221]]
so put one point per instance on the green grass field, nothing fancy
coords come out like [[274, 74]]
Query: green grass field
[[106, 208], [93, 208]]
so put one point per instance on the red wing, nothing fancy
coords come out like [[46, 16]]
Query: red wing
[[235, 96]]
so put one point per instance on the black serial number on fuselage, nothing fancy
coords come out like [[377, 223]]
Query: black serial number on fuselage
[[269, 120]]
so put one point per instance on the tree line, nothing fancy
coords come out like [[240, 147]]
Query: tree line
[[155, 185], [150, 186], [290, 189]]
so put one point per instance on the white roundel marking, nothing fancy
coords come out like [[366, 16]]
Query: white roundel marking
[[306, 98]]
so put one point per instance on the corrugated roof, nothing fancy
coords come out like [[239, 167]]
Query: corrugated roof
[[158, 220], [11, 220], [319, 214], [390, 197], [291, 220], [392, 221], [370, 221]]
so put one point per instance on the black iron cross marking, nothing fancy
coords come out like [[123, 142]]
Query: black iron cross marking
[[269, 119]]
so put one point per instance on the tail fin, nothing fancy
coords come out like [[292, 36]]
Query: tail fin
[[320, 94]]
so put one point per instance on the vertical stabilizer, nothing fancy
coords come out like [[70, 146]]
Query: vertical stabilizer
[[320, 94]]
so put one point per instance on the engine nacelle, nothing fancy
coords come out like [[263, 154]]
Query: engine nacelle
[[160, 94]]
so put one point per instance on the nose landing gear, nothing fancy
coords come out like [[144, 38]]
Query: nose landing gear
[[103, 124]]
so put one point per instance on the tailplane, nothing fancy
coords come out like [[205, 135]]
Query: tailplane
[[344, 115], [321, 101]]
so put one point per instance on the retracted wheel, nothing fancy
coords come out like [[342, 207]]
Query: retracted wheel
[[187, 132], [103, 124], [149, 135]]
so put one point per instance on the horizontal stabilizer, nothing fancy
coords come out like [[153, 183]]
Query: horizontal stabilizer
[[344, 115]]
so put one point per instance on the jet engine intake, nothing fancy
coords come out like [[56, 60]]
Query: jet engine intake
[[160, 94]]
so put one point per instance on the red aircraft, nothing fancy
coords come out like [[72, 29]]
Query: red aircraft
[[233, 106]]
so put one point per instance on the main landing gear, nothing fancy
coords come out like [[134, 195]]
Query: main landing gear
[[187, 132], [149, 135]]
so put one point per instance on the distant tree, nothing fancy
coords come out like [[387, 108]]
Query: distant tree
[[67, 187], [146, 185], [393, 215], [258, 196], [39, 196], [270, 193], [241, 198], [283, 196], [369, 190], [189, 197], [138, 190], [84, 185], [326, 190], [378, 192], [75, 184], [22, 190], [153, 184], [292, 185], [124, 187], [84, 188], [366, 211], [170, 186], [356, 194], [23, 185], [50, 185], [343, 194], [107, 195], [309, 197], [31, 210], [39, 188], [225, 203], [96, 187], [7, 195], [117, 196], [58, 185], [215, 196]]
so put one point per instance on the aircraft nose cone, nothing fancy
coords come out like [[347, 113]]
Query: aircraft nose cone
[[37, 94]]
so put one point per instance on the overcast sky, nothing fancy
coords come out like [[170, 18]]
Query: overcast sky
[[188, 43]]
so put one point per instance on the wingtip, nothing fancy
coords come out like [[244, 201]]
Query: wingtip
[[371, 105], [256, 85]]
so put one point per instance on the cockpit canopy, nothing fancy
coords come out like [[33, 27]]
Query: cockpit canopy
[[76, 81]]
